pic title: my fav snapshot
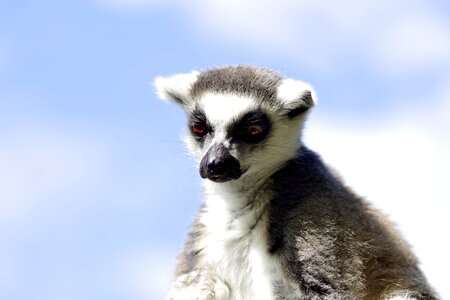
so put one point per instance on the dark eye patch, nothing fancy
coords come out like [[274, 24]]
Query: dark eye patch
[[252, 128], [198, 125]]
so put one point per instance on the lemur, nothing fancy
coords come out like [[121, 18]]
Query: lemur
[[276, 222]]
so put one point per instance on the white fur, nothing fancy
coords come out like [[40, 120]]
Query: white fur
[[291, 90], [199, 284], [178, 85], [236, 246], [402, 297], [224, 108]]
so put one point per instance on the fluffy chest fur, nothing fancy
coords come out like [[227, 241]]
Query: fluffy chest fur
[[235, 245]]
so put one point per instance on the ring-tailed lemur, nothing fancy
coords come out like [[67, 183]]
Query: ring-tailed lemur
[[276, 223]]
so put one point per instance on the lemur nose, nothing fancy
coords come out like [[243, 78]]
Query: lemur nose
[[219, 166]]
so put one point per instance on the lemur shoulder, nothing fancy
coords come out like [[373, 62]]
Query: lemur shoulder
[[276, 223]]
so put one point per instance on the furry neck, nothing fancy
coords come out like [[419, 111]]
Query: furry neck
[[240, 193], [232, 212], [234, 209]]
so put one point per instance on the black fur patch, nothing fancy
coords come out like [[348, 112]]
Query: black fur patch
[[306, 102], [297, 111], [254, 118], [175, 97]]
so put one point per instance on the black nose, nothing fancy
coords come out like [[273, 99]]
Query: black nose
[[219, 165]]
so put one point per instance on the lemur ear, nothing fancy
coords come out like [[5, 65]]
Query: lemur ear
[[176, 88], [296, 97]]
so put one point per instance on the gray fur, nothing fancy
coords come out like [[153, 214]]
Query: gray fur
[[330, 243], [353, 252], [260, 83]]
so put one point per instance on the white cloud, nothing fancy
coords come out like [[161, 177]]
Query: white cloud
[[437, 115], [247, 21], [414, 42], [400, 36]]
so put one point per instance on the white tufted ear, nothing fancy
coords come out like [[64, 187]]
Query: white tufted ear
[[296, 97], [176, 88]]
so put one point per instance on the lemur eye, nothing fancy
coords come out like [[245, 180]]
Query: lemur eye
[[199, 129], [253, 130]]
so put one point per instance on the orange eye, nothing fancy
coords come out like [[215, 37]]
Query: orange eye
[[198, 129], [254, 130]]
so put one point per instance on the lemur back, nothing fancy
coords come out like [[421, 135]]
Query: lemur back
[[276, 223]]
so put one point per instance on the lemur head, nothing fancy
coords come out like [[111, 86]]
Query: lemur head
[[243, 121]]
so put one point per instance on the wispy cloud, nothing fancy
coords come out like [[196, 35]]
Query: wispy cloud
[[400, 36], [414, 42]]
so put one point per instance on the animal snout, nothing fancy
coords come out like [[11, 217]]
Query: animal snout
[[222, 166], [219, 165]]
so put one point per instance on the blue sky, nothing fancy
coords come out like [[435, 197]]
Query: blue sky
[[96, 188]]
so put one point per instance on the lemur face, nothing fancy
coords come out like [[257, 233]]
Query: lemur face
[[242, 121], [232, 135], [226, 131]]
